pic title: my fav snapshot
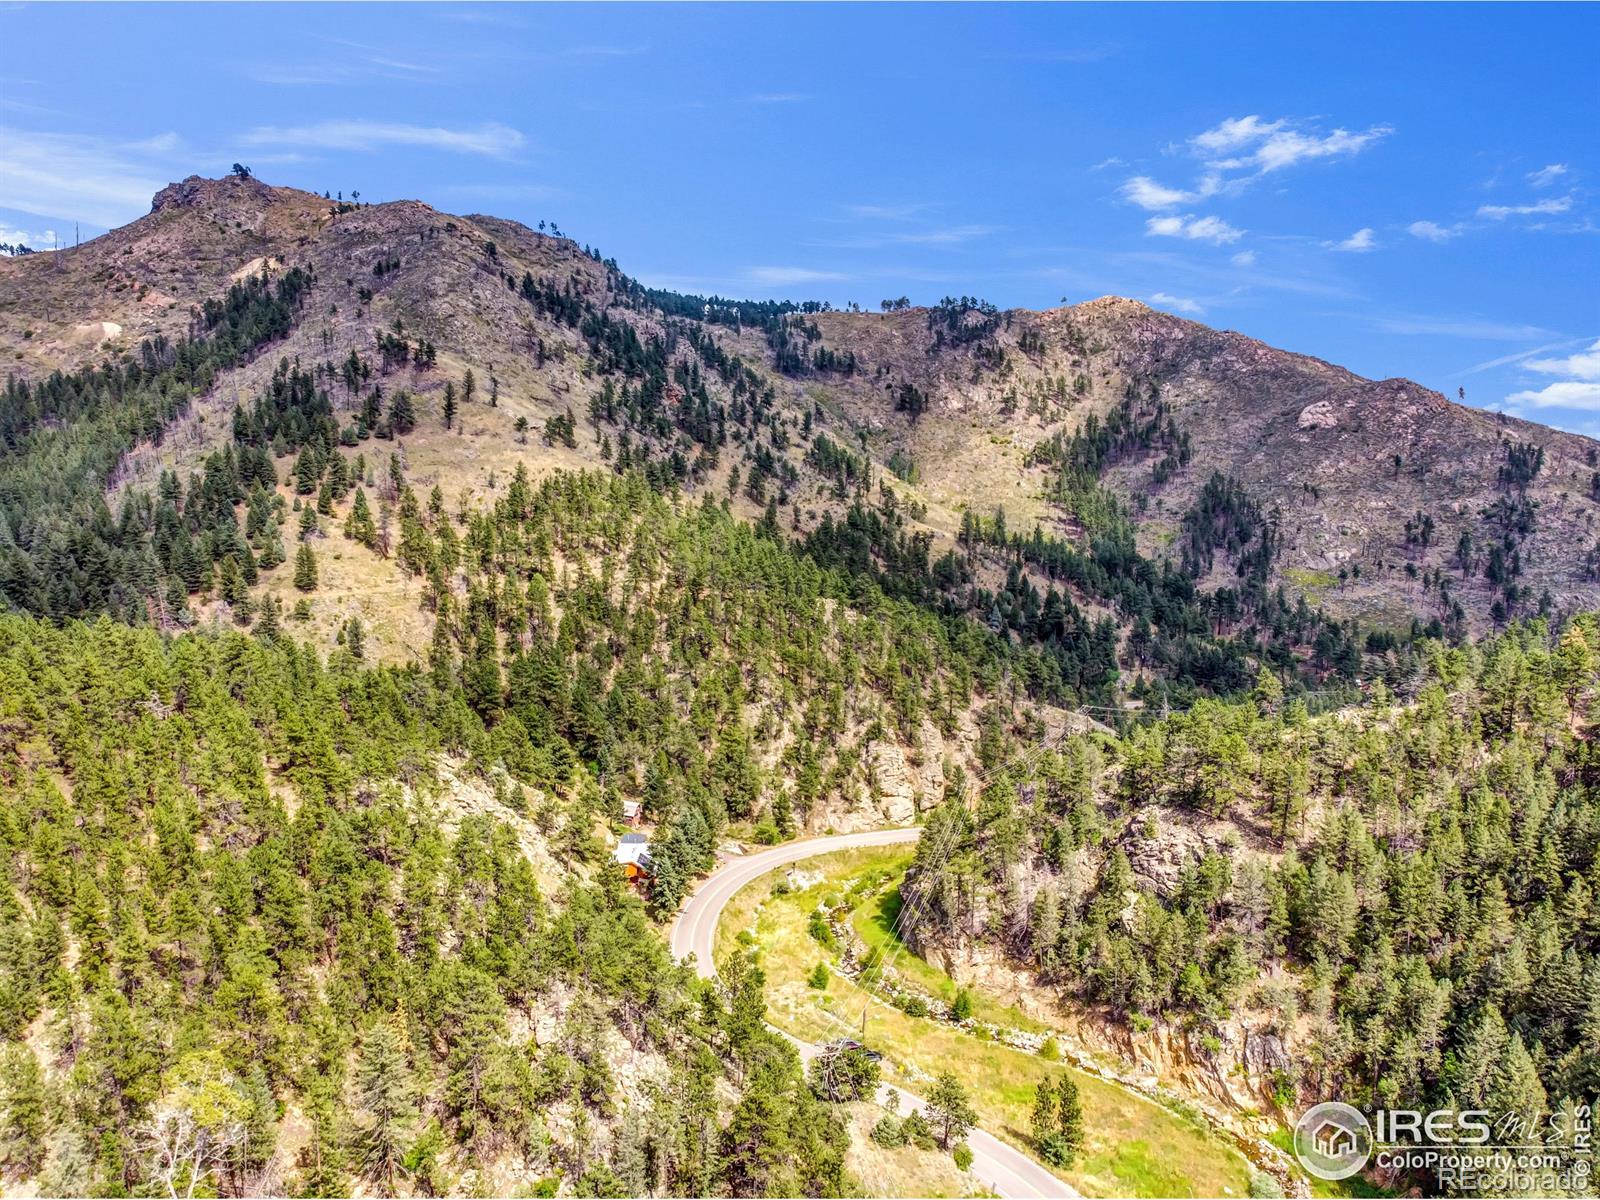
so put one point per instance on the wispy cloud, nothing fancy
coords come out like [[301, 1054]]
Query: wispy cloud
[[1359, 242], [102, 181], [1233, 155], [1545, 176], [1065, 54], [602, 51], [1153, 196], [885, 212], [1196, 229], [351, 61], [1524, 355], [789, 276], [1550, 207], [1432, 231], [491, 140], [952, 235], [1241, 143], [779, 97], [1177, 303], [1459, 327], [1226, 283], [501, 191]]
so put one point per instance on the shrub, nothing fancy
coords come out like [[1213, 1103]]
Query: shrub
[[918, 1132], [889, 1132], [912, 1005], [961, 1010], [1050, 1051], [817, 927], [819, 977], [1265, 1187], [962, 1153]]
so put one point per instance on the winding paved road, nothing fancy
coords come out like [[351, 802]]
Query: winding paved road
[[1004, 1168]]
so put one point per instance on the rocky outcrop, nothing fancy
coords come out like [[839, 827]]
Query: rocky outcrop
[[1159, 848]]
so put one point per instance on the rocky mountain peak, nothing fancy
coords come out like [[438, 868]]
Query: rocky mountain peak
[[198, 192]]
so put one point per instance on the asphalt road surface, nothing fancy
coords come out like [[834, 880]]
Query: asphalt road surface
[[1004, 1168]]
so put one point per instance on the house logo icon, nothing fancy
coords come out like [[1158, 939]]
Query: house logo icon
[[1332, 1140]]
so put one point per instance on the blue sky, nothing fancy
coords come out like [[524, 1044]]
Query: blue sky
[[1404, 190]]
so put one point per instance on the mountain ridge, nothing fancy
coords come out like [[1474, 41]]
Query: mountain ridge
[[1312, 443]]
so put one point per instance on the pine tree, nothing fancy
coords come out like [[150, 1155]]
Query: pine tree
[[358, 527], [950, 1110], [402, 413], [386, 1093], [449, 405], [23, 1118], [1058, 1121], [270, 624], [305, 569], [260, 1120], [1069, 1119]]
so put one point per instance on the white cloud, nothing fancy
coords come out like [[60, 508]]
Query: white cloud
[[1150, 195], [1499, 212], [1569, 393], [779, 98], [786, 276], [491, 139], [1431, 231], [1234, 154], [1358, 242], [1250, 142], [1177, 303], [1234, 133], [1584, 365], [1580, 390], [100, 181], [1197, 229], [1545, 176], [1245, 258], [1286, 148], [1522, 356], [42, 240]]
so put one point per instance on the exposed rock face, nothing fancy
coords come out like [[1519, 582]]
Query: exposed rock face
[[1320, 415], [1159, 849], [897, 795]]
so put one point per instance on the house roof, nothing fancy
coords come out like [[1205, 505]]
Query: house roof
[[636, 852]]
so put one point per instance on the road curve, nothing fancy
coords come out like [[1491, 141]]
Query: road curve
[[1004, 1168]]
